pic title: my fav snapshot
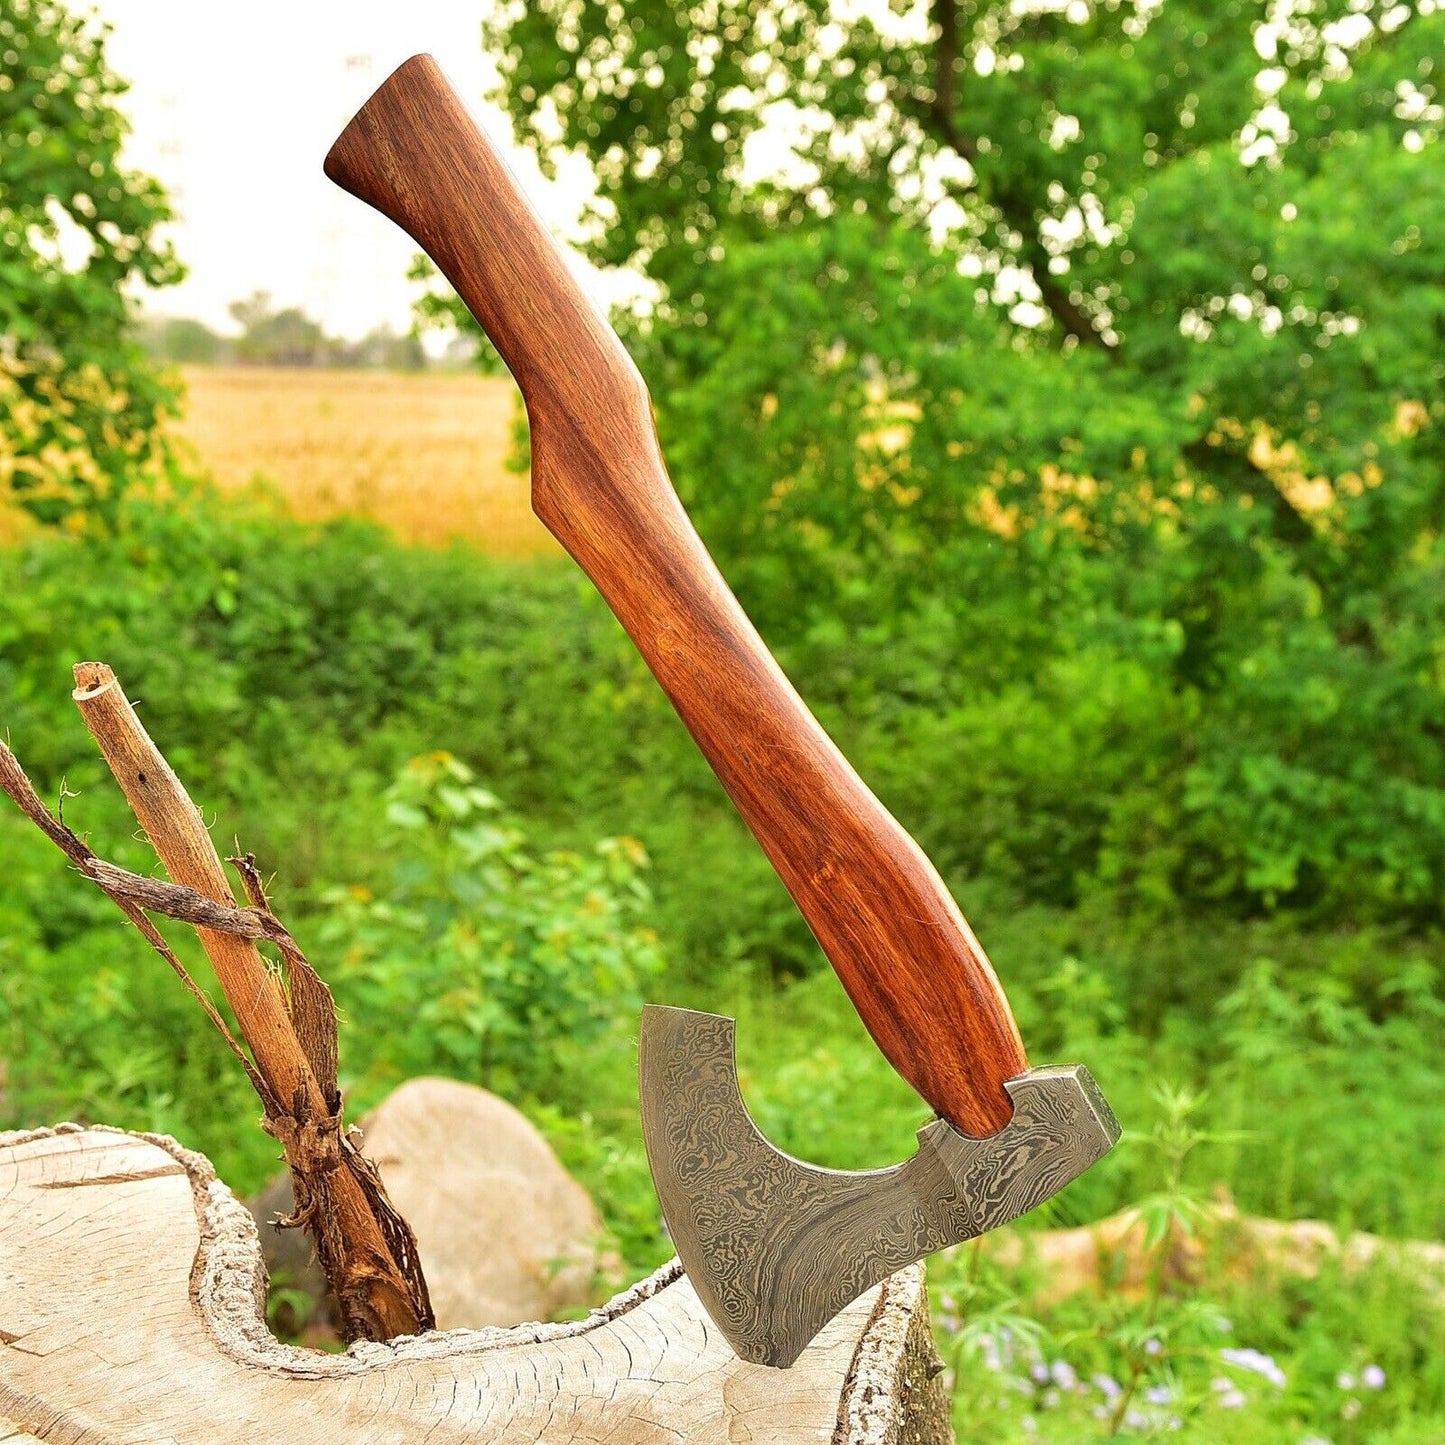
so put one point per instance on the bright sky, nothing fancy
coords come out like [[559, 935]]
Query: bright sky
[[234, 111]]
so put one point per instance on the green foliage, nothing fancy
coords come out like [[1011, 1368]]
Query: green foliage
[[604, 1150], [292, 673], [1219, 1359], [483, 958], [384, 347], [331, 656], [94, 1027], [79, 402], [288, 337], [183, 340], [1074, 373], [441, 311], [1214, 1360], [1303, 1103]]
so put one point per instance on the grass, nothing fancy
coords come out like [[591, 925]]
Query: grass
[[423, 454]]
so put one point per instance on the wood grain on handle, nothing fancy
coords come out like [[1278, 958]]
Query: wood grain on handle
[[910, 963]]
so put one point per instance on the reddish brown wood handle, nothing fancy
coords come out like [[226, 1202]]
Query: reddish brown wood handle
[[912, 967]]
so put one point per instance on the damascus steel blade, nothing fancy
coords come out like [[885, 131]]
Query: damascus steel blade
[[776, 1247]]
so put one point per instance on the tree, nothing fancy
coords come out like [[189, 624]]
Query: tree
[[1106, 338], [79, 403], [181, 339], [440, 311], [385, 347], [278, 338]]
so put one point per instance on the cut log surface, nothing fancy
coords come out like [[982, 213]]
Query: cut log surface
[[131, 1294]]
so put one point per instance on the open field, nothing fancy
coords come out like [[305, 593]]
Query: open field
[[422, 454]]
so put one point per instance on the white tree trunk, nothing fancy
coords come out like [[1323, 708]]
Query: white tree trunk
[[131, 1290]]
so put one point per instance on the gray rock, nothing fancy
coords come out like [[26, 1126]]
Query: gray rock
[[506, 1235]]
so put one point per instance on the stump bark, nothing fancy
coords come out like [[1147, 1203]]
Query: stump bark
[[131, 1298]]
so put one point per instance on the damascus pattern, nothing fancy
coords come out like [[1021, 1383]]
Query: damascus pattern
[[775, 1247]]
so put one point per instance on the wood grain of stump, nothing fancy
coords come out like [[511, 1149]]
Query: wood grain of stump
[[131, 1299]]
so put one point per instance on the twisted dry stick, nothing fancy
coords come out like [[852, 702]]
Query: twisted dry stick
[[366, 1249]]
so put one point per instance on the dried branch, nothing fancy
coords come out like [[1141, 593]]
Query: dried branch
[[288, 1021]]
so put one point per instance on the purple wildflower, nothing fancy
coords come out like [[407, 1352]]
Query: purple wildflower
[[1231, 1397], [1257, 1362]]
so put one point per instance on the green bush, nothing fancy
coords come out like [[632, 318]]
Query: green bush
[[483, 958], [291, 673]]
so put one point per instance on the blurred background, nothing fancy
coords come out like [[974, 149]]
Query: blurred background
[[1061, 386]]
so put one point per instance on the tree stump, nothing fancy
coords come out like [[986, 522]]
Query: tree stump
[[131, 1297]]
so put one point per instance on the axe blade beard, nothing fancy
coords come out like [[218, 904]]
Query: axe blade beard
[[776, 1247]]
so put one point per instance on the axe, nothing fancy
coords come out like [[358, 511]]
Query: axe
[[774, 1247]]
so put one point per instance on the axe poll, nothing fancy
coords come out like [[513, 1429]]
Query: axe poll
[[773, 1246]]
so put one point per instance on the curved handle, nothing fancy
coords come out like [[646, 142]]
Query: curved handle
[[912, 967]]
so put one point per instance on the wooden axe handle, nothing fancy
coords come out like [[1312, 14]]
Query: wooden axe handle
[[912, 967]]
